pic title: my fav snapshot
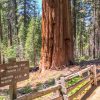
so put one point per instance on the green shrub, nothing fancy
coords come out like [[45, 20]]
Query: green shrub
[[45, 85], [25, 90], [2, 98], [73, 80], [10, 52]]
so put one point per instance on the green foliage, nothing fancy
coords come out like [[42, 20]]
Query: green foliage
[[2, 98], [41, 86], [73, 81], [21, 32], [84, 29], [82, 58], [21, 29], [9, 52], [77, 88], [25, 90], [33, 40]]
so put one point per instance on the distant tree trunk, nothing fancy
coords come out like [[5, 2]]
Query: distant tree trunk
[[57, 38], [97, 28], [0, 35], [34, 60], [0, 58], [74, 26], [10, 33], [10, 26], [98, 36], [94, 28], [15, 15], [25, 21]]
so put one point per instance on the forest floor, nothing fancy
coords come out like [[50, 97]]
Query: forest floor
[[37, 77], [40, 78]]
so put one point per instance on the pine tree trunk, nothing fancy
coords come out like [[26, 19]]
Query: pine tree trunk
[[57, 38], [0, 40], [25, 21], [10, 33], [74, 26], [0, 36], [10, 26], [97, 38], [15, 15], [98, 47]]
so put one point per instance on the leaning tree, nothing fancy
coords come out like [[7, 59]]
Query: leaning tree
[[57, 38]]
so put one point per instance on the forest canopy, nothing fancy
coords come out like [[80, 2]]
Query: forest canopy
[[20, 30]]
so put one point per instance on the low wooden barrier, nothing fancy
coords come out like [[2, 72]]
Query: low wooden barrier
[[90, 77], [32, 96]]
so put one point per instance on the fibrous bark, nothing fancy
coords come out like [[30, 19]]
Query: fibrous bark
[[57, 39]]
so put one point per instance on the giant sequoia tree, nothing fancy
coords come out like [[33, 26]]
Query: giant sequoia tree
[[57, 38]]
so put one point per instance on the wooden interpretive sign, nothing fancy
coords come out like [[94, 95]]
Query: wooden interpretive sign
[[13, 72]]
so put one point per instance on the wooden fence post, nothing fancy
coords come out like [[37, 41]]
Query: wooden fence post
[[64, 88], [89, 74], [94, 75], [13, 87], [13, 94], [57, 92], [57, 83]]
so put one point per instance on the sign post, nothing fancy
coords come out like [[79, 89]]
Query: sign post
[[13, 94], [13, 86], [12, 73]]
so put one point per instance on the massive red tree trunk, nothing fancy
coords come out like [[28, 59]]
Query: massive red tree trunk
[[57, 38]]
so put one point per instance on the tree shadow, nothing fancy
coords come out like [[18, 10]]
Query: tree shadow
[[90, 62], [90, 91]]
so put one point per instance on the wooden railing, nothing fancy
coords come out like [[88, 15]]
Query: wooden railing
[[88, 76], [32, 96], [88, 79]]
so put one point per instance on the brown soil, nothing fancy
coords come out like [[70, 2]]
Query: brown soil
[[37, 77]]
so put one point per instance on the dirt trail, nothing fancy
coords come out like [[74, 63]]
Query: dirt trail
[[93, 93]]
